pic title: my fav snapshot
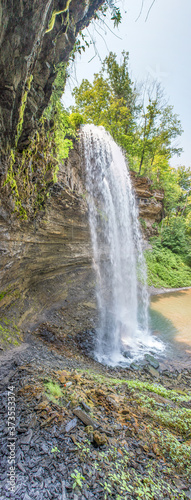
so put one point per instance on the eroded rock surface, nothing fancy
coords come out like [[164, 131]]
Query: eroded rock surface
[[47, 262], [150, 203], [35, 38]]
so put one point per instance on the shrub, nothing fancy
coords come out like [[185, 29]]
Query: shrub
[[166, 269]]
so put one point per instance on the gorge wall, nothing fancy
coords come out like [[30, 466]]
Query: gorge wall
[[46, 264], [36, 39], [36, 36], [150, 204]]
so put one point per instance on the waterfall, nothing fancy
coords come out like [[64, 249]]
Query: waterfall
[[118, 260]]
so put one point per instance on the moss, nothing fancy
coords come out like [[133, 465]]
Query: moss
[[22, 108], [56, 13], [9, 333], [54, 389], [2, 295]]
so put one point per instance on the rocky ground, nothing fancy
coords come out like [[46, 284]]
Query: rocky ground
[[84, 431]]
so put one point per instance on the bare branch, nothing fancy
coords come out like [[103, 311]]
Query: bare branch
[[141, 9], [149, 10], [102, 38], [102, 20]]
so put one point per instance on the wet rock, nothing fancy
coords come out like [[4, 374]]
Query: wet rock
[[100, 438], [68, 384], [26, 497], [85, 418], [152, 361], [64, 497], [27, 439], [71, 425], [127, 354], [112, 402], [167, 373], [134, 366], [152, 371], [20, 467], [44, 448], [86, 407]]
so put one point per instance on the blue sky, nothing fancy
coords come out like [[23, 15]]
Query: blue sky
[[159, 48]]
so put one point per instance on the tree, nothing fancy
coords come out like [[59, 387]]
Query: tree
[[111, 101], [145, 131], [157, 129]]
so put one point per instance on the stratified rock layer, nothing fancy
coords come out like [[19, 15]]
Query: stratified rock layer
[[47, 263], [31, 50], [150, 203]]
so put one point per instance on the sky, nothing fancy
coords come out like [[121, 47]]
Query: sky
[[158, 47]]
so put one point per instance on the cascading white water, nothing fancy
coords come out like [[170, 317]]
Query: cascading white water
[[122, 296]]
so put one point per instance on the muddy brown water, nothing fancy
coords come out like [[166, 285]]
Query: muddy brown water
[[170, 315]]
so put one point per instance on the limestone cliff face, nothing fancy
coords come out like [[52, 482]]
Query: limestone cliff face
[[150, 203], [47, 263], [36, 36]]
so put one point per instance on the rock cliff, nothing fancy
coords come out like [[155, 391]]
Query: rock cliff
[[150, 203], [36, 37], [46, 264]]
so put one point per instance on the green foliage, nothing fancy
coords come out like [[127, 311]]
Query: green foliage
[[62, 132], [115, 12], [80, 46], [2, 295], [53, 389], [9, 332], [122, 481], [179, 453], [143, 223], [32, 172], [62, 128], [55, 450], [166, 269], [110, 101], [78, 478], [22, 109], [157, 389], [173, 235], [174, 231], [159, 425], [146, 131], [76, 120]]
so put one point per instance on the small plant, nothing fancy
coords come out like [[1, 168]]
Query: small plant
[[55, 450], [78, 478], [107, 489], [143, 223]]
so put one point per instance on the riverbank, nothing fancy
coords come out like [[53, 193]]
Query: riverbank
[[156, 291], [85, 431]]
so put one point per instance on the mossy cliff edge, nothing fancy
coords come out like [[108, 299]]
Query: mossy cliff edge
[[36, 37], [37, 245]]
